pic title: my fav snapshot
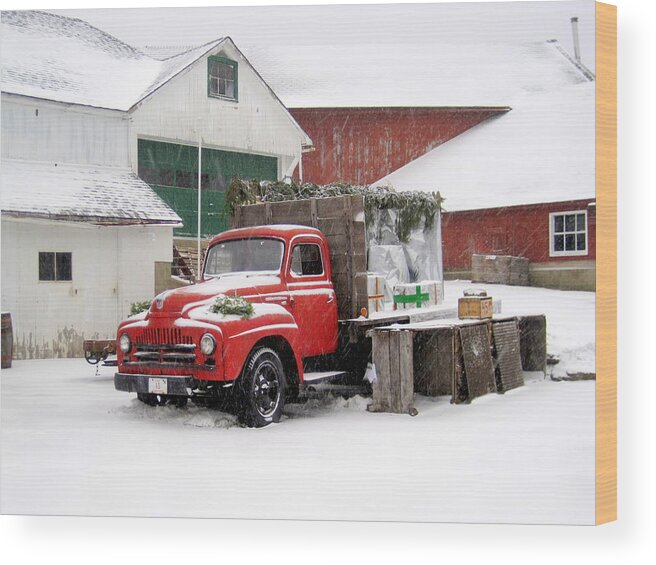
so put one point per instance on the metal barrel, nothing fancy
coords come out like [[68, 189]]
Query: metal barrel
[[7, 340]]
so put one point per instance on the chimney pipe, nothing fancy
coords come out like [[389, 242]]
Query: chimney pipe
[[575, 35]]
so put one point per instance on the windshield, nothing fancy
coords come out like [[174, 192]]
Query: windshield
[[244, 255]]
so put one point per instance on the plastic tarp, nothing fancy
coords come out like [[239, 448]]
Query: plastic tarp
[[417, 259]]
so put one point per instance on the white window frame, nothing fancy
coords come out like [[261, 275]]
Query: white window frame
[[552, 234]]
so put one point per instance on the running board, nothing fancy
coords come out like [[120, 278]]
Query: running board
[[321, 390], [319, 377]]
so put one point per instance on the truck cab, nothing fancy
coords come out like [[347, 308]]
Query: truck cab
[[183, 347]]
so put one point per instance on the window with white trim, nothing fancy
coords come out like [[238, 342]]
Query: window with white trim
[[568, 233]]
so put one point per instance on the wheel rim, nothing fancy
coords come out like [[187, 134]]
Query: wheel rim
[[266, 389]]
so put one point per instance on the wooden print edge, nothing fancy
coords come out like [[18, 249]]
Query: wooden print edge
[[606, 298]]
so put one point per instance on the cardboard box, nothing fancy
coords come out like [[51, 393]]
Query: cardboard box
[[375, 292], [421, 294]]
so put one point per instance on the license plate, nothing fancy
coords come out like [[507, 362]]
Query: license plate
[[157, 386]]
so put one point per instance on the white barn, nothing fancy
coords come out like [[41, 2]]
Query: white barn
[[86, 119]]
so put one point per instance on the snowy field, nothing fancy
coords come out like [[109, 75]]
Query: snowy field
[[71, 444]]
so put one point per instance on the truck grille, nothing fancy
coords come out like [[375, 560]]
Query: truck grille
[[157, 336], [164, 346]]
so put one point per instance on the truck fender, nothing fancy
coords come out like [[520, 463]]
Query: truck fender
[[270, 323]]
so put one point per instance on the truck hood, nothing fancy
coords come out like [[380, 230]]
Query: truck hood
[[181, 300]]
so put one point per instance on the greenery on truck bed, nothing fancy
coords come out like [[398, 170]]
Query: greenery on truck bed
[[415, 209]]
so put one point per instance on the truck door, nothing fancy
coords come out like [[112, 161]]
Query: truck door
[[313, 300]]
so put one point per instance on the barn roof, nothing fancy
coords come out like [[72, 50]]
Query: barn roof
[[543, 150], [103, 195], [68, 60], [436, 74]]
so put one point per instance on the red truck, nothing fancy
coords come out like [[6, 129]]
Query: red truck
[[181, 348]]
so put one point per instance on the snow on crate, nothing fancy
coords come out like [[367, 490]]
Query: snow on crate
[[421, 294]]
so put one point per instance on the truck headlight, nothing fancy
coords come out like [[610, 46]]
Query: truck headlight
[[207, 344], [124, 343]]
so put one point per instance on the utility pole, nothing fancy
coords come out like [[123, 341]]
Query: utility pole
[[198, 261]]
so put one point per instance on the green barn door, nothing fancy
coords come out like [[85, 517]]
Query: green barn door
[[172, 171]]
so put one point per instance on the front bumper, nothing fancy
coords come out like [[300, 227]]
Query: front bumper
[[175, 385]]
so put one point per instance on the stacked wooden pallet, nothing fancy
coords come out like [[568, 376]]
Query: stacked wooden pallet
[[185, 258], [501, 269]]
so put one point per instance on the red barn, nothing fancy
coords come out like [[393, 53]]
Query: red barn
[[359, 145], [504, 131], [523, 185]]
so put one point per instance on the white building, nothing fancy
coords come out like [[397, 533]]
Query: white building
[[82, 115]]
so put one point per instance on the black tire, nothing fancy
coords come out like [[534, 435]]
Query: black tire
[[161, 400], [150, 399], [91, 358], [261, 389], [177, 401]]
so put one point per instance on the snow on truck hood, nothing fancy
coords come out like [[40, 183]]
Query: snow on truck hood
[[240, 284]]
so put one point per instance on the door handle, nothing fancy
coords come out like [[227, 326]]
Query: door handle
[[277, 299]]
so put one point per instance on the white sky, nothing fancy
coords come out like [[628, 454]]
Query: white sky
[[385, 25]]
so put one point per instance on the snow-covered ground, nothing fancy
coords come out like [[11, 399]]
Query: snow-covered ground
[[71, 444]]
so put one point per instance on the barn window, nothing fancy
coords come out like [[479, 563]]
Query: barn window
[[55, 266], [222, 78], [568, 232]]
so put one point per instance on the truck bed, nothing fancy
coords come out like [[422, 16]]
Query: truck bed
[[356, 328]]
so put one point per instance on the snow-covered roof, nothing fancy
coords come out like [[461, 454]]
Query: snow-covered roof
[[80, 193], [447, 74], [67, 60], [543, 150]]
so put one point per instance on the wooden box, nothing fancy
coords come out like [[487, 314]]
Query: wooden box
[[475, 307]]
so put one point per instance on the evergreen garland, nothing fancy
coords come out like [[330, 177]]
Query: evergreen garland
[[414, 208]]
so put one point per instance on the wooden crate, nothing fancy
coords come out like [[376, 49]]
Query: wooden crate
[[474, 374], [455, 359], [434, 360], [533, 342], [502, 269], [507, 355], [475, 307], [393, 390]]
